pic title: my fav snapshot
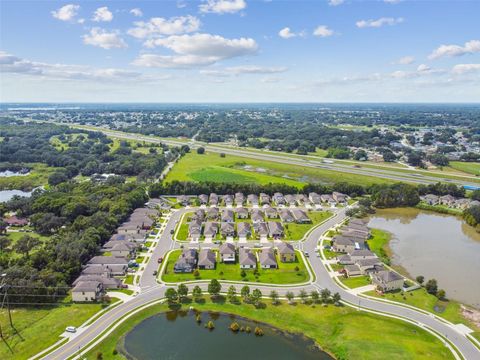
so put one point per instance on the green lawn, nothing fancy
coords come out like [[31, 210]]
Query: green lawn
[[297, 231], [467, 167], [341, 331], [212, 167], [285, 274], [449, 310], [329, 254], [15, 236], [129, 279], [148, 244], [355, 281], [41, 327], [38, 176], [378, 243]]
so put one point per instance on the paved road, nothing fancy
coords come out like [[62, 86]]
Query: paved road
[[153, 291]]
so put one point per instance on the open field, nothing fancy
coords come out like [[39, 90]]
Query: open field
[[467, 167], [341, 331], [378, 243], [355, 281], [38, 176], [40, 327], [286, 273]]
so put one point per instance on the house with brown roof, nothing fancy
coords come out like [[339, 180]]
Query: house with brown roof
[[14, 220]]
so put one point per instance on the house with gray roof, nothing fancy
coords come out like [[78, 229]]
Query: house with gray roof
[[286, 252], [431, 199], [186, 262], [212, 213], [239, 198], [362, 254], [227, 252], [199, 215], [462, 204], [264, 199], [108, 282], [203, 199], [387, 280], [244, 230], [271, 212], [242, 213], [123, 249], [211, 229], [291, 199], [213, 199], [345, 259], [369, 265], [87, 291], [206, 259], [228, 216], [267, 259], [195, 229], [108, 260], [275, 229], [261, 229], [339, 197], [314, 198], [300, 216], [228, 200], [184, 200], [278, 199], [227, 229], [252, 199], [328, 199], [343, 244], [247, 259], [352, 270], [447, 200], [302, 199], [257, 216], [105, 270], [286, 216]]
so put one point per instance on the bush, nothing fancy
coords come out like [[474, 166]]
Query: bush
[[234, 327], [259, 331]]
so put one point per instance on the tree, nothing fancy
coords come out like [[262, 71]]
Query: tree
[[256, 296], [361, 155], [303, 296], [290, 296], [232, 294], [26, 244], [201, 150], [214, 288], [315, 296], [420, 279], [431, 286], [197, 293], [336, 298], [182, 291], [274, 297], [245, 292], [222, 155], [5, 242], [325, 295], [171, 295], [441, 294]]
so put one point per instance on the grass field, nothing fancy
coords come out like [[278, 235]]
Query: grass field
[[38, 176], [378, 243], [467, 167], [341, 331], [41, 327], [285, 274], [212, 167], [355, 281], [297, 231]]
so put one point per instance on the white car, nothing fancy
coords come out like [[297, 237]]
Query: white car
[[71, 329]]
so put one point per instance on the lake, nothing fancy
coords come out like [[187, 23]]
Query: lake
[[177, 336], [6, 195], [436, 246]]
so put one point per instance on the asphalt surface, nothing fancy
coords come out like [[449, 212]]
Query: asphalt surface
[[151, 290]]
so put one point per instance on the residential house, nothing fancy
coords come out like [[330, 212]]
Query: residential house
[[314, 198], [239, 198], [387, 280], [261, 229], [123, 249], [228, 216], [300, 216], [291, 200], [345, 260], [199, 215], [275, 229], [227, 229], [286, 216], [184, 200], [252, 199], [355, 221], [278, 199], [431, 199], [213, 199], [462, 204], [195, 229], [228, 200], [211, 229], [271, 212], [203, 199], [212, 213], [327, 198], [361, 230], [286, 252], [87, 291], [267, 258], [447, 200], [244, 230], [108, 260], [186, 262], [15, 221], [247, 259], [339, 197], [108, 282], [303, 199], [257, 216], [474, 203], [242, 213], [227, 252], [206, 259], [264, 199], [352, 270], [105, 270], [343, 244], [362, 254]]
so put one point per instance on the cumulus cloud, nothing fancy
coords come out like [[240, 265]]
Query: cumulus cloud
[[422, 70], [222, 6], [335, 2], [470, 47], [16, 65], [136, 12], [104, 39], [287, 33], [323, 31], [196, 50], [376, 23], [157, 27], [465, 68], [102, 14], [406, 60], [66, 13]]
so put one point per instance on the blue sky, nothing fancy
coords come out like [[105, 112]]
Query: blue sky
[[240, 51]]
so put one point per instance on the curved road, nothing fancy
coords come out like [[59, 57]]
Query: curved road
[[151, 290]]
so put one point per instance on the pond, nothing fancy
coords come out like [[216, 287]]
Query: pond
[[436, 246], [177, 335], [8, 173], [6, 195]]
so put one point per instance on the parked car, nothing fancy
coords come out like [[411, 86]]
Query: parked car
[[155, 273], [306, 254], [124, 286], [172, 232], [71, 329], [160, 259]]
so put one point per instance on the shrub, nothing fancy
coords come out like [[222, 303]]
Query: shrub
[[258, 331], [234, 326]]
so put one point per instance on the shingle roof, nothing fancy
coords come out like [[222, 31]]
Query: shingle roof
[[285, 248], [206, 257], [246, 257], [267, 257]]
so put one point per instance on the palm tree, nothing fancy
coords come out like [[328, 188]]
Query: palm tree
[[315, 296]]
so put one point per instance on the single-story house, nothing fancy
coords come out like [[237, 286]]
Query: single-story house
[[228, 216], [15, 221], [199, 215], [352, 270], [356, 221], [286, 216], [195, 229], [431, 199], [239, 198], [327, 198], [314, 198], [257, 216], [362, 254], [227, 229], [447, 200], [300, 216], [275, 229], [211, 229], [123, 249], [242, 213], [212, 213], [228, 200], [203, 199], [261, 229], [345, 260], [186, 262], [267, 259], [303, 199], [368, 265], [252, 199], [339, 197], [264, 199], [105, 270], [213, 199], [244, 229], [206, 259], [290, 199], [247, 259], [184, 200], [227, 252], [343, 244], [387, 280], [278, 198], [87, 291], [271, 212], [462, 204], [286, 252]]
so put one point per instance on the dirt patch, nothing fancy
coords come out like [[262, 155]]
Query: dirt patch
[[472, 315]]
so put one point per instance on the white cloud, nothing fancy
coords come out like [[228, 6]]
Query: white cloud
[[378, 22], [196, 50], [104, 39], [465, 68], [136, 12], [158, 26], [406, 60], [66, 13], [243, 69], [286, 33], [470, 47], [323, 31], [335, 2], [15, 65], [102, 14], [222, 6], [424, 68]]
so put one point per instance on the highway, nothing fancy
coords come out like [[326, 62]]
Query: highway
[[151, 290]]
